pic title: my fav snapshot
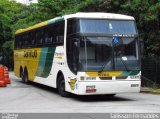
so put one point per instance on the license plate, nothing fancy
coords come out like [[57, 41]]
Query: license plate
[[90, 90]]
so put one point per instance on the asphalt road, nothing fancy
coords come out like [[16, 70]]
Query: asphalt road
[[35, 98]]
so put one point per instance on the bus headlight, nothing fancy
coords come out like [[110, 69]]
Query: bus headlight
[[90, 78], [87, 78], [135, 77], [82, 78]]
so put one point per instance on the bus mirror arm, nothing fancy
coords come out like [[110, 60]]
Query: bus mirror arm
[[77, 42]]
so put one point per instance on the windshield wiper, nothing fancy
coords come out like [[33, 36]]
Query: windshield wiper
[[104, 65]]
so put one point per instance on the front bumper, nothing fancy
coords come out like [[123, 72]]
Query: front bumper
[[108, 87]]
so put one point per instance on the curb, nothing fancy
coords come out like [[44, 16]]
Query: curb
[[155, 91], [150, 90]]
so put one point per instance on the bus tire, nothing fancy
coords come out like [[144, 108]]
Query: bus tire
[[61, 86], [25, 77], [21, 72]]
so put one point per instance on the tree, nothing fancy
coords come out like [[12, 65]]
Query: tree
[[5, 28], [61, 7], [14, 16], [146, 13]]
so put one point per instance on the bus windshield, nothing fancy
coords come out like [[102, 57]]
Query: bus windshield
[[90, 45], [107, 26], [95, 52]]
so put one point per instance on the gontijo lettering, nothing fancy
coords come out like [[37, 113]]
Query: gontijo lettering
[[30, 53]]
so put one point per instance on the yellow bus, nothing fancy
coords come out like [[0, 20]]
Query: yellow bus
[[82, 53]]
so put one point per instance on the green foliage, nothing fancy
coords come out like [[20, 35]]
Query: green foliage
[[61, 7], [8, 45], [14, 16], [28, 16], [146, 13], [5, 28]]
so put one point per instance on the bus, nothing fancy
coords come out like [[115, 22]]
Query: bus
[[81, 53]]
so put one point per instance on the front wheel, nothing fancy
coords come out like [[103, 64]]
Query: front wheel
[[61, 87]]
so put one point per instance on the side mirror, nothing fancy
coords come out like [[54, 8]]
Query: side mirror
[[76, 42]]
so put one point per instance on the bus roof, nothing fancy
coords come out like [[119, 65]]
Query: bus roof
[[99, 15], [94, 15]]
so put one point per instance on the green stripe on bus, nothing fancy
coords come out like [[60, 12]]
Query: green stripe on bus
[[129, 73], [42, 59], [125, 73], [134, 73], [55, 21], [45, 62], [48, 62]]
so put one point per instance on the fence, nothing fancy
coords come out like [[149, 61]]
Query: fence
[[150, 70]]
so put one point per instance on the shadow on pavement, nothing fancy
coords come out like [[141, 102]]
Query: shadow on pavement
[[97, 98], [81, 98]]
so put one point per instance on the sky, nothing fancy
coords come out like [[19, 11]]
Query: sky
[[26, 1]]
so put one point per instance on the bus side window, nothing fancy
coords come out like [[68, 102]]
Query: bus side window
[[25, 41], [36, 37], [60, 33], [47, 36], [19, 43], [32, 39], [40, 37], [57, 33], [50, 36], [54, 34], [29, 39]]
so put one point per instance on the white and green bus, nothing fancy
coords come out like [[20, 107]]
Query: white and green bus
[[82, 53]]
